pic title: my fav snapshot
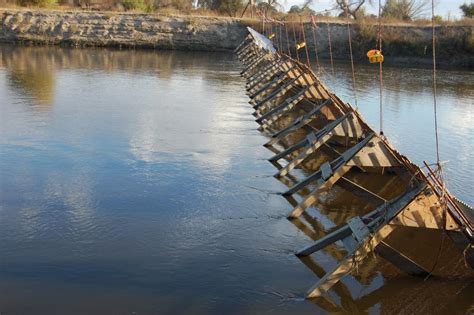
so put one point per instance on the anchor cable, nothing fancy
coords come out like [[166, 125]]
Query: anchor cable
[[280, 38], [295, 41], [439, 171], [330, 52], [313, 29], [271, 32], [352, 60], [434, 81], [304, 41], [379, 43], [287, 39]]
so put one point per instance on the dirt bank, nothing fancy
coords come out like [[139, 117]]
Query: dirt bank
[[403, 44], [120, 30]]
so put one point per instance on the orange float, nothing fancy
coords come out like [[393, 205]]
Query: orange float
[[375, 56], [300, 45]]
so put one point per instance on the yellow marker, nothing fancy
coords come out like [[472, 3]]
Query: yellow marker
[[271, 36], [300, 45], [375, 56]]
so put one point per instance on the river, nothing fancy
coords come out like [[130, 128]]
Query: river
[[135, 182]]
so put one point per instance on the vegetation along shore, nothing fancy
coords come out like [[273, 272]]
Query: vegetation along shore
[[405, 43]]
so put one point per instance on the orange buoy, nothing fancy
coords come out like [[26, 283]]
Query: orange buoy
[[300, 45], [375, 56]]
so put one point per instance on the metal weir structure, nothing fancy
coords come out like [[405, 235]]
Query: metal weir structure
[[323, 148]]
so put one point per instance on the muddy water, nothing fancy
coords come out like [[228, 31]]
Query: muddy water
[[135, 182]]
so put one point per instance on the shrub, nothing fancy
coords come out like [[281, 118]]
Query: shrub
[[38, 3], [406, 10], [181, 5], [230, 6], [149, 8], [133, 4]]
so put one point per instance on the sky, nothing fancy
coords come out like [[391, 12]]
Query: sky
[[442, 7]]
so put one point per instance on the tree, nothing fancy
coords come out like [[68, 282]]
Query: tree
[[268, 6], [352, 9], [406, 10], [303, 9], [467, 10]]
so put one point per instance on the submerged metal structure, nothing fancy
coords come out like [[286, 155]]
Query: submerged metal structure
[[324, 148]]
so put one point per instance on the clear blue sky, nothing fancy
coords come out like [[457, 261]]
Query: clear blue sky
[[442, 7]]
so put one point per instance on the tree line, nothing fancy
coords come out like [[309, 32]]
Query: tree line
[[405, 10]]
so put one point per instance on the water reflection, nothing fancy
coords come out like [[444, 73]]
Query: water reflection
[[144, 188], [399, 82], [33, 74], [136, 190]]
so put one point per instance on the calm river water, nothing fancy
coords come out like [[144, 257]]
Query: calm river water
[[135, 182]]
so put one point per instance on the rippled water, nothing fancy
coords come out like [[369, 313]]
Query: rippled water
[[408, 118], [135, 181]]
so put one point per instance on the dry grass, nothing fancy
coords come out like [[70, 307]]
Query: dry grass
[[418, 22], [247, 20]]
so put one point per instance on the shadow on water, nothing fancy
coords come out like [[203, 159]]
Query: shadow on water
[[126, 186]]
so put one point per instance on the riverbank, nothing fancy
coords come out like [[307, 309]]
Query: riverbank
[[125, 30], [403, 44]]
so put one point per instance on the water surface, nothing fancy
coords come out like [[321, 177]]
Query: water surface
[[136, 182]]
